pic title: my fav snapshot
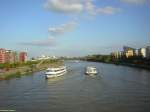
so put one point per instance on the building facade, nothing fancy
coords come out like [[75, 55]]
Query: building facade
[[136, 52], [9, 56], [148, 52], [22, 57], [129, 53], [2, 55], [142, 52]]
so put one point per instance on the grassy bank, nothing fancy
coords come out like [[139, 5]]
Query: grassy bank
[[27, 69]]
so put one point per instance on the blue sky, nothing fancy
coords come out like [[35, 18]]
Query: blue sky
[[73, 27]]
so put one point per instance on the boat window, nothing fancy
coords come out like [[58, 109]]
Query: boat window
[[49, 70], [91, 69], [58, 70], [61, 69]]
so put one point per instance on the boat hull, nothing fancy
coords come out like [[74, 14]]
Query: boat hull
[[94, 73], [90, 70], [49, 75]]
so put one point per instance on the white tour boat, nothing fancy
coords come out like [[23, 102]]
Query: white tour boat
[[91, 70], [55, 72]]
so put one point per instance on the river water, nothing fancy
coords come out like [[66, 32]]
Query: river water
[[114, 89]]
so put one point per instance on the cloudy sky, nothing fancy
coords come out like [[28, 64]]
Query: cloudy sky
[[73, 27]]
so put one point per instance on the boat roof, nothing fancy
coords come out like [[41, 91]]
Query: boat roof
[[91, 67], [56, 68]]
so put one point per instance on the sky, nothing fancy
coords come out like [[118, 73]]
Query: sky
[[73, 27]]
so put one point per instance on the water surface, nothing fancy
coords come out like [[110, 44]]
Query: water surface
[[114, 89]]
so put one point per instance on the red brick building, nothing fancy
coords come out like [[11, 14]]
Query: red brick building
[[9, 56], [22, 56], [2, 55]]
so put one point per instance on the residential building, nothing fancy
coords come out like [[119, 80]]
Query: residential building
[[117, 55], [142, 52], [121, 53], [129, 53], [136, 52], [9, 56], [148, 52], [22, 56], [126, 48], [2, 55]]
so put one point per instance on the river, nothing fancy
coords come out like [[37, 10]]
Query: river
[[114, 89]]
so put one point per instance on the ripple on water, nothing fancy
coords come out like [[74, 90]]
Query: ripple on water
[[120, 89]]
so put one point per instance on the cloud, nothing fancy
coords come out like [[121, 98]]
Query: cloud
[[65, 6], [93, 10], [134, 1], [78, 6], [104, 10], [69, 7], [44, 43], [108, 10], [54, 32], [64, 28]]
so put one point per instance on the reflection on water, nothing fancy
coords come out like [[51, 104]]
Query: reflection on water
[[54, 80], [114, 89]]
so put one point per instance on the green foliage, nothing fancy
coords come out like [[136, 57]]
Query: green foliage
[[24, 68], [17, 75], [51, 61], [99, 58], [15, 65]]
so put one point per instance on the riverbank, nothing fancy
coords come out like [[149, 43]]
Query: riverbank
[[142, 66], [135, 65], [28, 69]]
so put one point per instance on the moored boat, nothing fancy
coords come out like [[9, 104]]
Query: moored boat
[[55, 72]]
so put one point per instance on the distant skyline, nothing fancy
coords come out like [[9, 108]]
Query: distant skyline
[[73, 27]]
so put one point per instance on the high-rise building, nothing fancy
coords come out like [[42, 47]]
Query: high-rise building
[[11, 56], [142, 52], [129, 52], [22, 56], [117, 55], [148, 52], [2, 55], [126, 48], [136, 52]]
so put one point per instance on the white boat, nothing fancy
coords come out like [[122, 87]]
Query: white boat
[[55, 72], [91, 70], [76, 61]]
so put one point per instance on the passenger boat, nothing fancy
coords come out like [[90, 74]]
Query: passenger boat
[[90, 70], [76, 61], [55, 72]]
